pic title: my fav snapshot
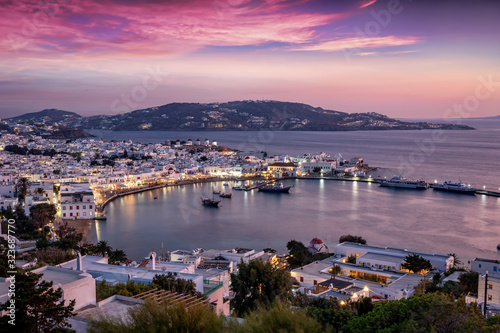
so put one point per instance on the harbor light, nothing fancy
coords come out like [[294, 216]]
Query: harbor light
[[366, 288], [342, 303], [354, 295]]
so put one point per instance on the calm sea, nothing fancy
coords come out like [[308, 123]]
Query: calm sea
[[417, 220]]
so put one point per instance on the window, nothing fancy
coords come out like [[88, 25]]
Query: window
[[64, 208], [70, 214], [64, 214], [90, 206], [90, 213], [315, 282], [490, 297], [495, 268], [479, 265], [84, 214], [301, 279], [77, 207], [84, 207], [490, 286], [70, 207], [77, 214]]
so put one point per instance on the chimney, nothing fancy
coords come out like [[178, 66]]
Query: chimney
[[79, 266], [153, 261]]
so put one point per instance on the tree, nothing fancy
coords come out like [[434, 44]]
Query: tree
[[335, 270], [416, 264], [38, 307], [298, 254], [280, 317], [456, 262], [117, 256], [22, 186], [177, 285], [162, 317], [258, 283], [433, 312], [468, 283], [43, 213], [39, 190], [103, 247], [352, 238]]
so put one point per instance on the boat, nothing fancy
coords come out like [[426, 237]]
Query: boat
[[225, 184], [277, 188], [402, 182], [226, 195], [455, 187], [216, 192], [210, 202], [156, 198]]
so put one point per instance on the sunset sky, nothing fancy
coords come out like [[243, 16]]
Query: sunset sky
[[406, 59]]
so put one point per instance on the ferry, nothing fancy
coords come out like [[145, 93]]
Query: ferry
[[277, 188], [455, 187], [402, 182]]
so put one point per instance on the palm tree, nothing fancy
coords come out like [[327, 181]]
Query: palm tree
[[22, 186], [335, 270], [117, 256], [40, 191], [103, 248]]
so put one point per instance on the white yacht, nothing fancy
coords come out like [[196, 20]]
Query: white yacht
[[455, 187], [401, 182]]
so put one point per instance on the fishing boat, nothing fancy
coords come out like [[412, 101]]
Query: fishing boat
[[276, 188], [210, 202], [226, 195]]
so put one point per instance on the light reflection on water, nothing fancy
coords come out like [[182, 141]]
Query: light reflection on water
[[429, 221]]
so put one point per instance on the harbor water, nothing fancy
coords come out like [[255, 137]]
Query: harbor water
[[428, 221]]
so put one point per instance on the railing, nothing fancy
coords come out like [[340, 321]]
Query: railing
[[216, 285]]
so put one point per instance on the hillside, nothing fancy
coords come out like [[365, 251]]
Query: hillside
[[248, 115], [237, 116], [47, 115]]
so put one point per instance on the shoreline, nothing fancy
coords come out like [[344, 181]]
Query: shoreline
[[213, 180]]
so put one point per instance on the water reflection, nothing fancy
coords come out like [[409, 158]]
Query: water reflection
[[421, 220]]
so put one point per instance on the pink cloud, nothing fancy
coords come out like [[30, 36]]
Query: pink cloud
[[358, 43], [366, 3], [96, 27]]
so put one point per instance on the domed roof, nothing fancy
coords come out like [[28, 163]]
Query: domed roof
[[316, 241]]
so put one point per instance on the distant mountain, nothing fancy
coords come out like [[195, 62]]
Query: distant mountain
[[244, 116], [492, 117], [47, 116]]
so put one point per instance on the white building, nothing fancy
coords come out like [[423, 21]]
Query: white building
[[77, 203]]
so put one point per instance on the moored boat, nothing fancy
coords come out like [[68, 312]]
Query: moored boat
[[277, 188], [226, 195], [402, 182], [455, 187], [210, 202]]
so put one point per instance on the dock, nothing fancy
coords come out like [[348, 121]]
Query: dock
[[489, 193]]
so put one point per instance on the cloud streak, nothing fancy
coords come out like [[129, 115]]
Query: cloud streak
[[358, 43]]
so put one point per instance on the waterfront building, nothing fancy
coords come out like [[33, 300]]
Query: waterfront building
[[282, 169], [77, 203]]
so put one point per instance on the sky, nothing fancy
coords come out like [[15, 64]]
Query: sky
[[402, 58]]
